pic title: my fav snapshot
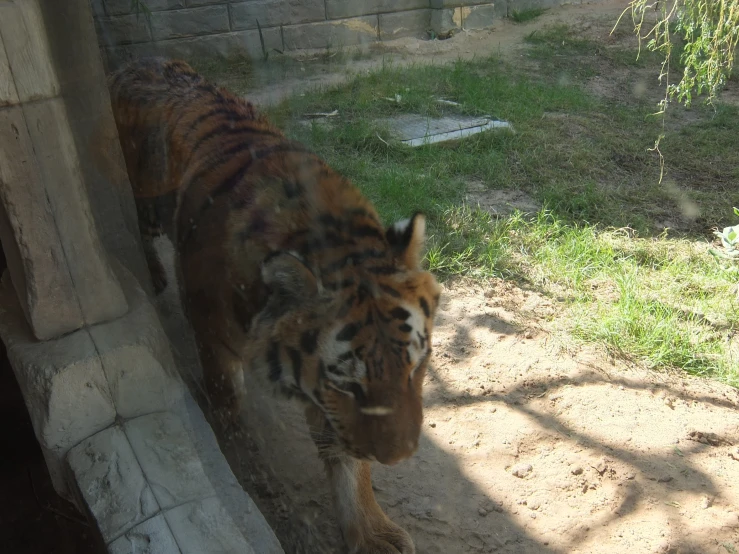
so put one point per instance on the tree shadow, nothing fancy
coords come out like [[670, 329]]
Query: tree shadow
[[683, 475]]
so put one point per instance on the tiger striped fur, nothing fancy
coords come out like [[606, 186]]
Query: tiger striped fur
[[286, 270]]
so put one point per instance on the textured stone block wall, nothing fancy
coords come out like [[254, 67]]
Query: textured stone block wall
[[225, 28], [120, 433]]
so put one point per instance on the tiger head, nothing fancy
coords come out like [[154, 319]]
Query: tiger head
[[359, 350]]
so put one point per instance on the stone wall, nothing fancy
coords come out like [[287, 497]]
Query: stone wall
[[230, 28], [121, 434]]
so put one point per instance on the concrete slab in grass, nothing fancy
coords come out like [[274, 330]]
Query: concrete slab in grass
[[417, 130]]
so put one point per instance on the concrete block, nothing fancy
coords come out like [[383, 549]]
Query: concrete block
[[135, 357], [98, 291], [206, 526], [121, 7], [191, 22], [35, 255], [111, 483], [62, 380], [414, 23], [479, 17], [436, 4], [24, 35], [123, 29], [152, 536], [332, 34], [224, 46], [337, 9], [168, 458], [273, 13], [445, 20]]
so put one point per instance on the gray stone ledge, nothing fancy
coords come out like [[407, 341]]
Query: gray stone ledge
[[168, 459], [207, 526], [27, 48], [36, 262], [8, 94], [157, 479], [110, 482], [62, 380], [152, 536]]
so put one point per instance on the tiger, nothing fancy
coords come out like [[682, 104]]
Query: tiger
[[285, 270]]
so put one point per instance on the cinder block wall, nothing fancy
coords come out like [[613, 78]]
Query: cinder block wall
[[225, 28]]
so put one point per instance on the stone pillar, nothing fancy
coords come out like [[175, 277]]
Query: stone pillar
[[77, 61], [120, 433], [56, 261]]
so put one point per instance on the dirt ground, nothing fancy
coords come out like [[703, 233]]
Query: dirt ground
[[528, 446]]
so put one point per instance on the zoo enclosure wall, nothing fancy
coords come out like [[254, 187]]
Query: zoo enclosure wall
[[248, 29]]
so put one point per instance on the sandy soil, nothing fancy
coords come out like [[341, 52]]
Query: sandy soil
[[527, 447]]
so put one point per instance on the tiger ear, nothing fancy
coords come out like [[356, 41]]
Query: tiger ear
[[288, 278], [407, 239]]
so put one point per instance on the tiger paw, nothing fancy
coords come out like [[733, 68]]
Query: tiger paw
[[384, 538]]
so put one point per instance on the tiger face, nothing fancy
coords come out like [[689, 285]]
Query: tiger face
[[360, 351]]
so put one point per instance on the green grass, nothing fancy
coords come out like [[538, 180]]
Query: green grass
[[598, 243], [661, 301], [522, 16]]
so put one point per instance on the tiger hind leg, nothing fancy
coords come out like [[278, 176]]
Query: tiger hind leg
[[156, 268], [155, 219]]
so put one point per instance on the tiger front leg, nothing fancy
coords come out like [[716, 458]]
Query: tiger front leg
[[156, 268], [154, 216], [365, 527], [224, 380]]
